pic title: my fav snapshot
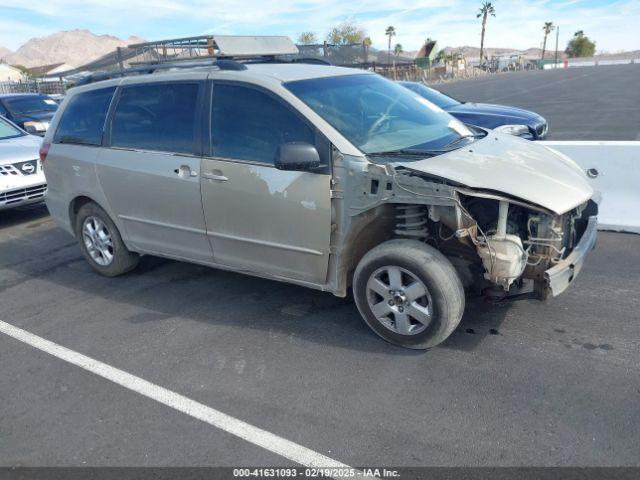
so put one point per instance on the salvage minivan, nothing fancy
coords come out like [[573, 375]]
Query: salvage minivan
[[332, 178]]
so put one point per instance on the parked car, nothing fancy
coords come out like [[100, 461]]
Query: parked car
[[30, 111], [505, 119], [21, 178], [327, 177]]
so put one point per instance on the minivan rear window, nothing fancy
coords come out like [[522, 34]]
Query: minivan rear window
[[159, 117], [82, 121]]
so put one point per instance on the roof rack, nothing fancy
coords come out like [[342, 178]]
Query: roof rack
[[213, 46], [310, 61], [220, 64]]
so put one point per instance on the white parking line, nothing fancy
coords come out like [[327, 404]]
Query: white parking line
[[257, 436]]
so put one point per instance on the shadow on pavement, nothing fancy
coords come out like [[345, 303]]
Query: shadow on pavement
[[164, 289], [19, 215]]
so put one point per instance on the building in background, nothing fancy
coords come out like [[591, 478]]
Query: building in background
[[9, 73], [51, 70]]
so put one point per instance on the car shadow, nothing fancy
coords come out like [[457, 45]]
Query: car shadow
[[163, 289], [21, 215]]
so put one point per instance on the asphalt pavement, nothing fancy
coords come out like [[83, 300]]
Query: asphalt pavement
[[529, 383], [580, 103]]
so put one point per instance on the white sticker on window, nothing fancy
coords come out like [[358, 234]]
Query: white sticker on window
[[50, 102]]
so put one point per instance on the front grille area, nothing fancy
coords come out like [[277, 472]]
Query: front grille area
[[7, 170], [27, 168], [20, 168], [23, 194]]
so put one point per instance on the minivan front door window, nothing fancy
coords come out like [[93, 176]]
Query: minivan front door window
[[248, 124]]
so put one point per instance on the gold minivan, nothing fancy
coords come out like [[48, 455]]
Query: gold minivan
[[332, 178]]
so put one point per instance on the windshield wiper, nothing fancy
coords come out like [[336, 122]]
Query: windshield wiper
[[406, 153], [410, 152], [459, 139]]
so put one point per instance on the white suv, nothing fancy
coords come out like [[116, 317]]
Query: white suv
[[321, 176], [22, 181]]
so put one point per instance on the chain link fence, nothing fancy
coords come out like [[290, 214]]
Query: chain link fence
[[48, 87]]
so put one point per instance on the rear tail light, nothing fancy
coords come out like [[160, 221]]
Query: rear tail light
[[44, 151]]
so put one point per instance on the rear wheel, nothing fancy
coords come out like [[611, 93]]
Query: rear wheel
[[101, 243], [409, 293]]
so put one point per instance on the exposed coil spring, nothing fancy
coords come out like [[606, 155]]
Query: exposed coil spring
[[412, 221]]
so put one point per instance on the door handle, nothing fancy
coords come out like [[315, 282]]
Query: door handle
[[185, 171], [213, 176]]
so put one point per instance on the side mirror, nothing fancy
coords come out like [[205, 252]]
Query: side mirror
[[297, 156]]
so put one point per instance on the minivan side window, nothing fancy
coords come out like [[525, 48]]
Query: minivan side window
[[82, 121], [159, 117], [248, 124]]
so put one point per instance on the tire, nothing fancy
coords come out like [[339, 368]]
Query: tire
[[415, 319], [104, 250]]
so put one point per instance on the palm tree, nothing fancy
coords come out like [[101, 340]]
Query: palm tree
[[485, 10], [547, 29], [397, 50], [390, 32]]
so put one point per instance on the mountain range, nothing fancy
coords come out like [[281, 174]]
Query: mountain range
[[73, 47]]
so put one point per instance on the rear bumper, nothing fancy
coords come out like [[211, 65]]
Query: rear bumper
[[558, 278]]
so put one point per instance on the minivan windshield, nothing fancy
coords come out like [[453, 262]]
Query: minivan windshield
[[378, 115], [30, 104], [8, 131]]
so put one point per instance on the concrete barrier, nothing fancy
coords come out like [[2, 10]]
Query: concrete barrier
[[614, 169], [589, 63]]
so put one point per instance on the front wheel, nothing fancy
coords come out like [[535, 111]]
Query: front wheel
[[409, 293]]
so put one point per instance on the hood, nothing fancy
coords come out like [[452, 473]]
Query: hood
[[19, 149], [503, 114], [511, 165]]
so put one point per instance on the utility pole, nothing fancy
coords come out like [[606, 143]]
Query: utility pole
[[555, 63]]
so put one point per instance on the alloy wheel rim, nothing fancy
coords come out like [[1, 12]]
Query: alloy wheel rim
[[399, 300], [97, 239]]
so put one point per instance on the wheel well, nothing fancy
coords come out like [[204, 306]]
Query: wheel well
[[375, 227], [75, 206]]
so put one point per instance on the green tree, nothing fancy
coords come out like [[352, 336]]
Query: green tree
[[346, 33], [307, 38], [547, 29], [397, 50], [580, 46], [390, 32], [366, 43], [485, 10]]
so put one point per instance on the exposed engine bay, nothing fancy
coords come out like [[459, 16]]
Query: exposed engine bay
[[493, 240]]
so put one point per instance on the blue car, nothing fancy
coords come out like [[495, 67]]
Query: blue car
[[30, 111], [505, 119]]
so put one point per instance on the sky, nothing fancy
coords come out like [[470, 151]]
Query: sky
[[613, 24]]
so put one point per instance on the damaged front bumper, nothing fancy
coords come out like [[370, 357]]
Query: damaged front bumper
[[558, 278]]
